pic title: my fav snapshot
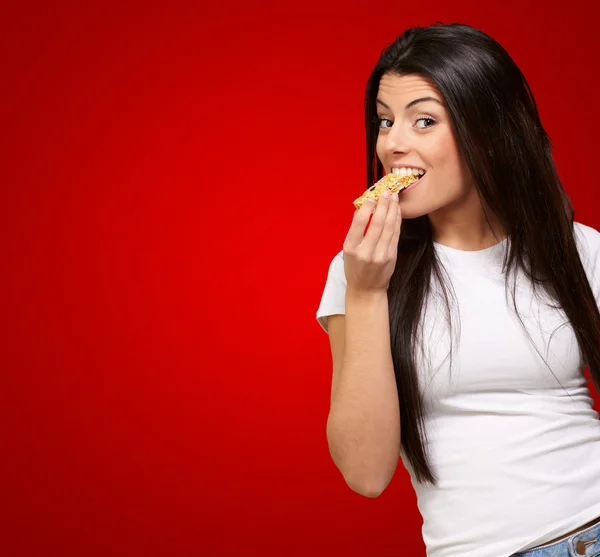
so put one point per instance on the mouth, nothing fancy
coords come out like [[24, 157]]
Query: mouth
[[407, 171], [398, 180]]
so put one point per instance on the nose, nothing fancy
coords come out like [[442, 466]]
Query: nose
[[396, 140]]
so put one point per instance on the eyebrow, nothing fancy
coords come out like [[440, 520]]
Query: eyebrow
[[412, 103]]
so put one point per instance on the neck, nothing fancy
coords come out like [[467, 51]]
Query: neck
[[465, 226]]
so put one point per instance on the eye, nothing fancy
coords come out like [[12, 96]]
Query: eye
[[380, 122], [428, 120]]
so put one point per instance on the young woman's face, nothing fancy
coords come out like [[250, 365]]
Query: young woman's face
[[415, 131]]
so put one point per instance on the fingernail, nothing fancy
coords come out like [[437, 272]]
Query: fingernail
[[386, 194]]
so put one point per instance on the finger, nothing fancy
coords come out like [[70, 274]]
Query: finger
[[377, 223], [359, 222], [383, 245]]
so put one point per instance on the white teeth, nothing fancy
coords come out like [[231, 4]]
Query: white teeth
[[408, 171]]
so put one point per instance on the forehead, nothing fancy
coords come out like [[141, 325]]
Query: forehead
[[399, 90]]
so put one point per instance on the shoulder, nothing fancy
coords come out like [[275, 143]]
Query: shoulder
[[333, 299], [586, 232], [588, 241]]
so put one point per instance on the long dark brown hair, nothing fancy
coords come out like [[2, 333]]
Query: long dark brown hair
[[509, 155]]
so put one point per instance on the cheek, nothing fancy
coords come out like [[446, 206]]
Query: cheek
[[448, 163], [443, 152], [379, 150]]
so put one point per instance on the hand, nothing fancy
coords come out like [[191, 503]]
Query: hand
[[370, 259]]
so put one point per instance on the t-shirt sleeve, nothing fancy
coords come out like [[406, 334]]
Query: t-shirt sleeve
[[588, 243], [333, 300]]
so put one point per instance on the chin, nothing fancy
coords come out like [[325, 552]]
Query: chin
[[409, 212], [415, 208]]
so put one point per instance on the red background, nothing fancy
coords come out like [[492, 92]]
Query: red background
[[169, 216]]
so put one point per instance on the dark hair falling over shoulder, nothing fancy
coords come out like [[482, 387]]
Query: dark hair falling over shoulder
[[508, 153]]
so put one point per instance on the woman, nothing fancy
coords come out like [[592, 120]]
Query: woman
[[461, 322]]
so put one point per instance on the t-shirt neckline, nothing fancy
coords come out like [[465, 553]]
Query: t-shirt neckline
[[473, 253]]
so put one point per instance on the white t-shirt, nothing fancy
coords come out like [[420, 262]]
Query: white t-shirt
[[516, 454]]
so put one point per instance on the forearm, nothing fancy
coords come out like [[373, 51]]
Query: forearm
[[363, 427]]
